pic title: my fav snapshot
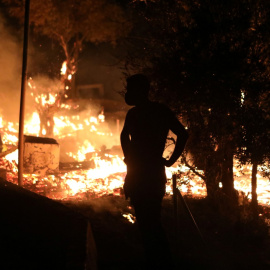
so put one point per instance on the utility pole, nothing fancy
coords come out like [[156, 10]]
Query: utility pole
[[23, 84]]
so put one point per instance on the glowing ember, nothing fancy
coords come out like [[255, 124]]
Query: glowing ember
[[129, 217]]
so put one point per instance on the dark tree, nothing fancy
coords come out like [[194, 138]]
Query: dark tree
[[71, 23], [254, 142], [197, 54]]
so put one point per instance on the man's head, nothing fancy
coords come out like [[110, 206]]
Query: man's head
[[138, 87]]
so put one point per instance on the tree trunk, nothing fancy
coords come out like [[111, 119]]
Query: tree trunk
[[227, 178], [212, 176], [227, 174], [212, 188], [72, 57], [73, 93], [254, 201]]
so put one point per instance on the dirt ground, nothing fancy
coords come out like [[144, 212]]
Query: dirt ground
[[226, 244]]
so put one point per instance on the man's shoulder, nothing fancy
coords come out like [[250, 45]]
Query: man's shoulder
[[154, 107], [131, 113], [131, 110], [163, 108]]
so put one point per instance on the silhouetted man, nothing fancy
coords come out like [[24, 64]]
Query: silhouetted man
[[143, 141]]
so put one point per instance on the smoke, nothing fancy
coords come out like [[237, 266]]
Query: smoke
[[111, 204], [10, 73], [10, 85]]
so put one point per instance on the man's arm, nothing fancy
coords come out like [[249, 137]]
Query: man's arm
[[125, 139], [181, 138]]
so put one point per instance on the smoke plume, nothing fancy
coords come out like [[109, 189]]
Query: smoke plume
[[10, 73]]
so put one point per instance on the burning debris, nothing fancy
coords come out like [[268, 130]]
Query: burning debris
[[129, 217], [83, 168]]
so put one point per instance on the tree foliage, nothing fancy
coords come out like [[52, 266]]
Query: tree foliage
[[72, 22], [202, 56]]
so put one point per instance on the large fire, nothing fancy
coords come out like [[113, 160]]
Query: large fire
[[107, 171]]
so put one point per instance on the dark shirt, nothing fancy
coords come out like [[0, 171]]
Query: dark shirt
[[147, 127]]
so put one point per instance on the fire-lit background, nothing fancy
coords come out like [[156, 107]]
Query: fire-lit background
[[86, 124]]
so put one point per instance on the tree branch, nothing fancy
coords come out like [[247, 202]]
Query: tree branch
[[193, 169]]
